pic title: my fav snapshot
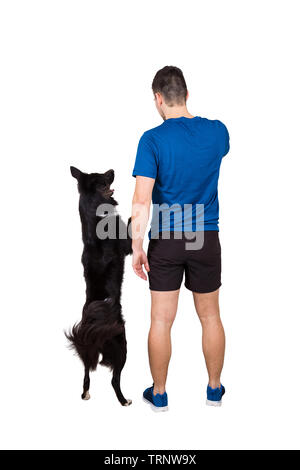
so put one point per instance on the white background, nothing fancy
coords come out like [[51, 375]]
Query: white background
[[76, 89]]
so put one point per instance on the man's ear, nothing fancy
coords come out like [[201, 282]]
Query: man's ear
[[75, 172], [158, 98]]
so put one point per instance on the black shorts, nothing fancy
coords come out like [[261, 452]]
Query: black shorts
[[169, 259]]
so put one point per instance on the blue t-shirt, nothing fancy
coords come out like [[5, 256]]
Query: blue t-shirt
[[183, 155]]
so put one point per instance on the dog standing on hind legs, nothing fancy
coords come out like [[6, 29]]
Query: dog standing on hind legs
[[102, 328]]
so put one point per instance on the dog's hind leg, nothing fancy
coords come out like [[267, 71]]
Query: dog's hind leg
[[114, 357], [116, 386], [118, 364], [86, 383]]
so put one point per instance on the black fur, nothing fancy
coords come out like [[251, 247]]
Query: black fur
[[101, 329]]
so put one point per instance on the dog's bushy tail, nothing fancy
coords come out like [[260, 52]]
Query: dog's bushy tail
[[98, 325]]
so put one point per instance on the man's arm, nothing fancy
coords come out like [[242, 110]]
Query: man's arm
[[140, 214]]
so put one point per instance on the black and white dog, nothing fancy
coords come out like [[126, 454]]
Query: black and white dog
[[101, 329]]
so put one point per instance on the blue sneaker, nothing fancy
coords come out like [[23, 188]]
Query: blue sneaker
[[157, 402], [214, 395]]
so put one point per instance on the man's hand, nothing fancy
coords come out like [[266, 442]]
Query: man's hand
[[139, 259]]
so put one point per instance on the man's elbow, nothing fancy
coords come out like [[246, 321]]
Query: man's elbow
[[141, 200]]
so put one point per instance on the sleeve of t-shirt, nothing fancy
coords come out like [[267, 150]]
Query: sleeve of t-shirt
[[146, 158], [225, 138]]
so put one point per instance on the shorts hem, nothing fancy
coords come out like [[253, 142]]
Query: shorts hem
[[203, 291], [164, 290]]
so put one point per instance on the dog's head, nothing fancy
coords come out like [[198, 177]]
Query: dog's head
[[95, 184]]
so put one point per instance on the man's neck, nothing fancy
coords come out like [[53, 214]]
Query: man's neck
[[177, 111]]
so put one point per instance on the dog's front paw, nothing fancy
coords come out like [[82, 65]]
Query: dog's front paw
[[127, 403]]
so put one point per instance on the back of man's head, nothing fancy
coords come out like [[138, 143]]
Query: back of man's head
[[170, 83]]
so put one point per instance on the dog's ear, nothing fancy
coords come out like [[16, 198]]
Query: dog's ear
[[75, 172], [109, 176]]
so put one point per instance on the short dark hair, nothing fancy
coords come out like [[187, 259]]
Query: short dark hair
[[170, 82]]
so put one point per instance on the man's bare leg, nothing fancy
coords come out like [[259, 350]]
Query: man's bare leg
[[213, 337], [163, 312]]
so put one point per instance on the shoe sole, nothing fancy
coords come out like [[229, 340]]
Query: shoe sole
[[213, 403], [156, 409]]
